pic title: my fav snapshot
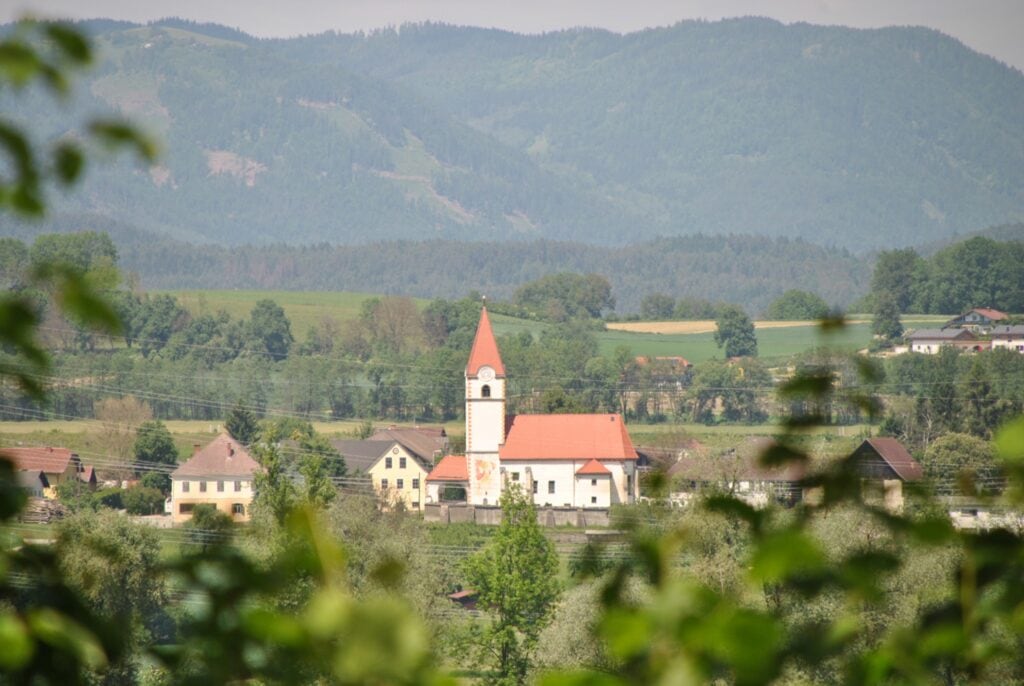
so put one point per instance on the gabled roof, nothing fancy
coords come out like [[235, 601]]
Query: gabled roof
[[994, 315], [593, 468], [423, 443], [361, 455], [32, 478], [941, 335], [1008, 331], [223, 456], [895, 455], [450, 468], [485, 349], [567, 437], [50, 460], [88, 474]]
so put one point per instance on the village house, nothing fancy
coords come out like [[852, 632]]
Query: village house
[[57, 465], [397, 462], [738, 473], [884, 466], [219, 474], [931, 341], [1008, 337], [563, 460], [979, 320]]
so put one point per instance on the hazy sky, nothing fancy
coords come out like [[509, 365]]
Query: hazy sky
[[993, 27]]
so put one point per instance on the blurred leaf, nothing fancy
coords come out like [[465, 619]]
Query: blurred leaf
[[734, 507], [1009, 441], [71, 42], [16, 646], [68, 161], [784, 554], [273, 627], [115, 134], [19, 63], [54, 628]]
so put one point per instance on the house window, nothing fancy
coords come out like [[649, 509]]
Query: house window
[[629, 484], [202, 487], [185, 485], [384, 484], [220, 486], [238, 486], [485, 391], [186, 508], [400, 483], [535, 487], [593, 482], [515, 476], [387, 463], [551, 487], [415, 484], [401, 463], [238, 509], [593, 500]]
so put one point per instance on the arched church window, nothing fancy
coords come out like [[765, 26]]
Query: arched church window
[[485, 391]]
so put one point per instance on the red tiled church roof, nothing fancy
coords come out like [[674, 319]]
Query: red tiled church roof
[[593, 468], [223, 456], [567, 437], [450, 468], [485, 349]]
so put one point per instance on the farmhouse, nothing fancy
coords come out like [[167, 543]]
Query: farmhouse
[[979, 320], [1009, 337], [56, 464], [219, 474], [931, 341], [884, 465], [738, 473], [563, 460]]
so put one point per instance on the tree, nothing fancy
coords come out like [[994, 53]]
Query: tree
[[153, 444], [516, 580], [961, 464], [157, 480], [209, 527], [275, 492], [120, 417], [269, 329], [557, 297], [657, 306], [735, 332], [241, 424], [896, 273], [143, 500], [797, 305], [886, 322]]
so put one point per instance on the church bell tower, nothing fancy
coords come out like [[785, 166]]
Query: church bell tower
[[485, 415]]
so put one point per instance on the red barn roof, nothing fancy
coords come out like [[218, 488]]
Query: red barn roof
[[485, 349], [49, 460], [450, 468], [223, 456], [567, 437], [895, 455]]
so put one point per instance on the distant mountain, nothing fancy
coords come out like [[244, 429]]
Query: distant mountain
[[853, 138]]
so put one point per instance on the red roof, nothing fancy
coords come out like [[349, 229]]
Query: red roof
[[994, 315], [223, 456], [567, 437], [593, 468], [896, 456], [450, 468], [49, 460], [485, 349]]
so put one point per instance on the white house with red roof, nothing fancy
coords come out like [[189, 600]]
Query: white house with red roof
[[564, 460]]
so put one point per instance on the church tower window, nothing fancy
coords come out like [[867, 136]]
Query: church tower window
[[485, 392]]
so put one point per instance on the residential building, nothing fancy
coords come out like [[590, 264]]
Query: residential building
[[219, 474], [57, 465], [1008, 337], [978, 319], [884, 465], [400, 476], [33, 482], [427, 442], [563, 460], [740, 473], [931, 341], [448, 481]]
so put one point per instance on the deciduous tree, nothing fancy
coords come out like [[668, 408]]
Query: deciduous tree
[[735, 332]]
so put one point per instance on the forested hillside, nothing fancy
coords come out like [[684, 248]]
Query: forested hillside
[[863, 139]]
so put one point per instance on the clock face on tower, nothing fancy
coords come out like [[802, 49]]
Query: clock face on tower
[[485, 373]]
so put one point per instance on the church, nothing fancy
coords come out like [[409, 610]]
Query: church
[[564, 460]]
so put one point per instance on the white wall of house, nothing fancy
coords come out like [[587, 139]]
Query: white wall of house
[[594, 490], [229, 494], [1013, 342], [558, 486]]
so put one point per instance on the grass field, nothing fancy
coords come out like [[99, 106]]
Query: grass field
[[303, 308]]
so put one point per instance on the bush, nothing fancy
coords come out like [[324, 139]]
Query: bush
[[157, 480], [142, 500], [109, 497]]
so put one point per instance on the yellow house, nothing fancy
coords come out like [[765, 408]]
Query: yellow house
[[219, 474], [399, 475]]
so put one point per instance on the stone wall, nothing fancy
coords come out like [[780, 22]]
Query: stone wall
[[491, 515]]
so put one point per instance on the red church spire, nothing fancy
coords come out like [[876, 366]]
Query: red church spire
[[485, 349]]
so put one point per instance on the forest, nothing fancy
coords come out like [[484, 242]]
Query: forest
[[457, 133]]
